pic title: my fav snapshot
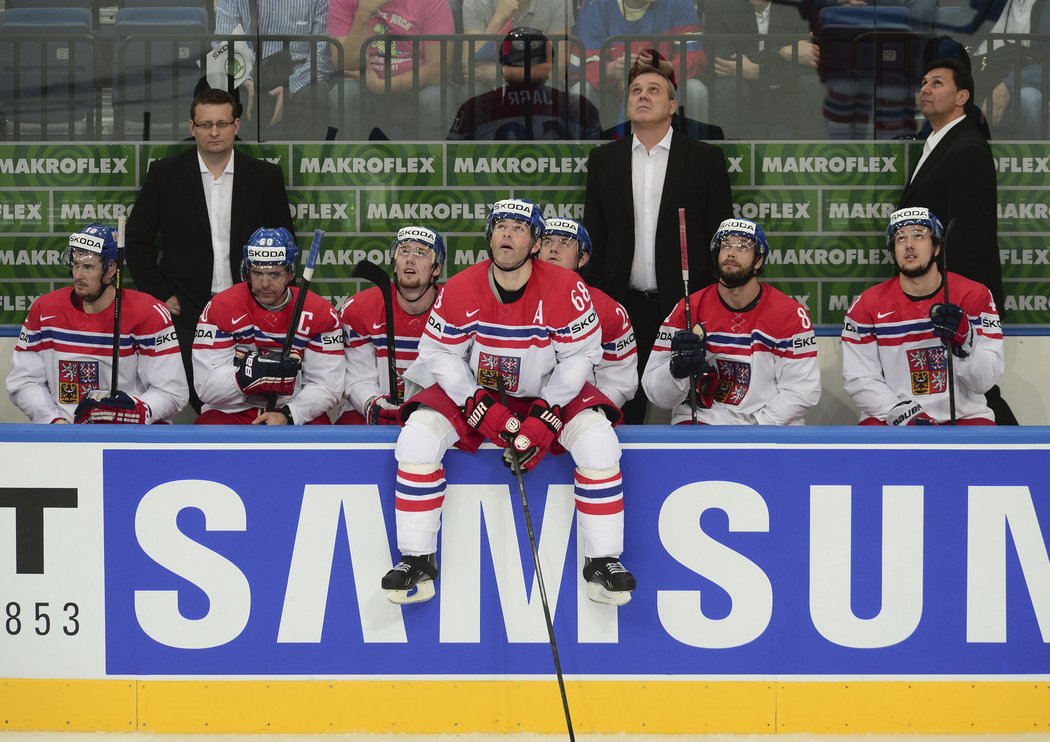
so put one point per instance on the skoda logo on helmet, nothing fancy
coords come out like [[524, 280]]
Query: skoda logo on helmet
[[563, 225], [909, 214], [513, 205], [737, 225], [86, 242], [415, 233], [266, 253]]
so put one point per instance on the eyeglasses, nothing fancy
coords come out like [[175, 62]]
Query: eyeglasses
[[416, 251], [209, 125], [511, 225], [916, 234], [560, 243], [743, 247]]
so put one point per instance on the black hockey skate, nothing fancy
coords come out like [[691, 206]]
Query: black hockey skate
[[411, 580], [608, 581]]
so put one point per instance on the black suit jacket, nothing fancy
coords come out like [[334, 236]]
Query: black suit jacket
[[172, 204], [696, 180], [957, 182]]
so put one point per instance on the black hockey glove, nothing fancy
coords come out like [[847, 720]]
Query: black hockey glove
[[953, 327], [688, 354], [266, 372], [98, 407]]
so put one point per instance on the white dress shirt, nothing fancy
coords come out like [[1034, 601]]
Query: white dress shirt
[[648, 169], [218, 193], [932, 141]]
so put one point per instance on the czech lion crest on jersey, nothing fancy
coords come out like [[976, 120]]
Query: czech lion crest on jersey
[[928, 369], [75, 379], [734, 379], [491, 366]]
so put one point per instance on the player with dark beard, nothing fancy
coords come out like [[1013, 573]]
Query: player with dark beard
[[752, 352], [897, 335]]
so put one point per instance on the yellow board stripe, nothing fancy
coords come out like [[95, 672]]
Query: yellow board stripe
[[528, 706]]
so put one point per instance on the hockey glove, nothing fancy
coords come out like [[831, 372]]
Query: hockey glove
[[266, 372], [97, 407], [706, 385], [953, 327], [909, 413], [490, 418], [688, 353], [538, 431], [381, 410]]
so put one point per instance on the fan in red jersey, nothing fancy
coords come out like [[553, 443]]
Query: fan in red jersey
[[897, 336], [237, 361], [752, 353], [524, 331], [63, 360], [417, 254]]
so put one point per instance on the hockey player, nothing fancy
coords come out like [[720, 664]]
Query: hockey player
[[752, 351], [63, 360], [530, 328], [565, 242], [417, 254], [897, 335], [237, 361]]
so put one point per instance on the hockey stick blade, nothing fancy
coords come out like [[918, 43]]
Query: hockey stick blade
[[373, 273]]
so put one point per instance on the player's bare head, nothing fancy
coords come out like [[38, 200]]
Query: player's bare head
[[739, 249], [417, 255], [268, 265], [215, 97], [526, 56], [565, 242], [91, 257], [915, 237]]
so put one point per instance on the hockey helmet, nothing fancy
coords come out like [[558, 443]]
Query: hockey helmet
[[519, 209], [744, 228], [569, 228], [94, 238], [269, 246], [524, 42], [914, 215], [422, 235]]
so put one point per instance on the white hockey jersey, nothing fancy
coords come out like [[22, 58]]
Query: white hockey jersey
[[63, 353], [234, 324], [890, 354], [766, 358], [545, 344], [616, 375]]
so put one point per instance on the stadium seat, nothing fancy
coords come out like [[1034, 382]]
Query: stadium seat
[[47, 70], [155, 66]]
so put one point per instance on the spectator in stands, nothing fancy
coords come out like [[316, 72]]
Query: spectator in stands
[[552, 17], [762, 89], [1001, 62], [607, 67], [526, 107], [293, 78], [204, 202], [408, 111]]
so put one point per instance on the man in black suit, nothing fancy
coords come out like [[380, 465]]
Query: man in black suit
[[205, 203], [955, 179], [635, 187]]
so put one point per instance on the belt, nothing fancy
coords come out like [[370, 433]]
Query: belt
[[649, 294]]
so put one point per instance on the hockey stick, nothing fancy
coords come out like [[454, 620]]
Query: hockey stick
[[688, 321], [297, 311], [951, 360], [374, 274], [516, 466], [118, 303]]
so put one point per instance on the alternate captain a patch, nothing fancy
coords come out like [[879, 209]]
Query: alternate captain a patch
[[928, 368], [734, 379], [490, 366], [75, 379]]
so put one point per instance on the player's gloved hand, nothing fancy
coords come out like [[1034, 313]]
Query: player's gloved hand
[[490, 418], [688, 353], [538, 431], [266, 372], [706, 385], [953, 327], [382, 410], [909, 413], [98, 407]]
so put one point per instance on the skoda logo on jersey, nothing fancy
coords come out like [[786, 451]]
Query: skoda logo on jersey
[[425, 236], [514, 206], [86, 242], [737, 225], [562, 225], [273, 254]]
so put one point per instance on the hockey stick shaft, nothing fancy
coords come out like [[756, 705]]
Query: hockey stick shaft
[[118, 303], [951, 360], [300, 300], [372, 273], [688, 320], [539, 572]]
